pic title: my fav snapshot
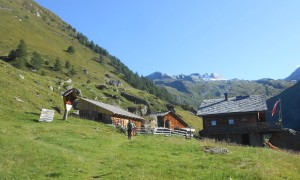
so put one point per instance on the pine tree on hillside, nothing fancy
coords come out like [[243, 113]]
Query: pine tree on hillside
[[101, 59], [21, 51], [57, 65], [19, 56], [72, 71], [36, 60], [68, 64], [19, 63]]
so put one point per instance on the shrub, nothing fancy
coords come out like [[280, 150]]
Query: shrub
[[71, 49], [36, 60], [57, 65]]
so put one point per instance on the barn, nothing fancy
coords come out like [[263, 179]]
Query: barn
[[240, 119], [106, 113], [169, 120]]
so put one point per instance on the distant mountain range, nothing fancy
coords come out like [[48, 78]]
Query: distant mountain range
[[192, 89], [195, 77]]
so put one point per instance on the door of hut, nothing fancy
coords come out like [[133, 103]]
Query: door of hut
[[245, 139]]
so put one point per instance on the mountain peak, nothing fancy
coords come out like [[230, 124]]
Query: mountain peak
[[158, 75], [295, 75], [194, 77]]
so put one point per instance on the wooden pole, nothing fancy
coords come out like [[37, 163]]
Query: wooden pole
[[280, 113]]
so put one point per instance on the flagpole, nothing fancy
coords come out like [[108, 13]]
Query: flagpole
[[280, 113]]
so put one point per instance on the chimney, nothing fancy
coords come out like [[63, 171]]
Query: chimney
[[226, 96]]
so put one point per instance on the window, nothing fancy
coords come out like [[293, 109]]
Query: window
[[213, 122], [231, 121]]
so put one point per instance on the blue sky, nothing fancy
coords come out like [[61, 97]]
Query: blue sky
[[248, 39]]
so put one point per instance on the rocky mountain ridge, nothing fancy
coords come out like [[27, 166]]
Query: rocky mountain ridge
[[295, 76], [194, 77]]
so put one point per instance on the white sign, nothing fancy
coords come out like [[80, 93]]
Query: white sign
[[68, 106], [47, 115]]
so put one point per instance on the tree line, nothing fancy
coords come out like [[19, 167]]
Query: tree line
[[131, 78], [19, 58]]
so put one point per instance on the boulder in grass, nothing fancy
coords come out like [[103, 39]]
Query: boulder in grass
[[215, 150]]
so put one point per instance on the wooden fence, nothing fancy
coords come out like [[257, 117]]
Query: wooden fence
[[164, 131]]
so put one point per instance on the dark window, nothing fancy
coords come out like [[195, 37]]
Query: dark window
[[167, 124], [100, 116], [160, 121]]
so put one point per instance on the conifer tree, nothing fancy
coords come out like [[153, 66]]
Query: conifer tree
[[68, 64], [57, 65], [72, 71], [21, 51], [36, 60], [19, 56]]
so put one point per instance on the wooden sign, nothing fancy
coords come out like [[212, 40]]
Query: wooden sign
[[46, 115]]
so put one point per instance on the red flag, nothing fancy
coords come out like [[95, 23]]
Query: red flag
[[274, 108]]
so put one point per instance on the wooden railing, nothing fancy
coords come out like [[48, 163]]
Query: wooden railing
[[245, 127], [143, 130]]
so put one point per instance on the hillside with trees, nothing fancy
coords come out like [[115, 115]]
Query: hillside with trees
[[290, 103], [50, 47]]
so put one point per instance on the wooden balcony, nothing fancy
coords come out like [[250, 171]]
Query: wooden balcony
[[243, 128]]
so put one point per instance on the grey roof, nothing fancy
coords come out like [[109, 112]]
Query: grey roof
[[160, 113], [115, 110], [239, 104]]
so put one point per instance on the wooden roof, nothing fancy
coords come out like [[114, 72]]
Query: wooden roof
[[161, 114], [239, 104], [113, 109], [74, 91]]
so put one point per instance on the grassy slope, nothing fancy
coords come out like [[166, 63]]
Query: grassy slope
[[84, 149], [46, 37]]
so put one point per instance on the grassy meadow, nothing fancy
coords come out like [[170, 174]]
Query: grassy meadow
[[82, 149]]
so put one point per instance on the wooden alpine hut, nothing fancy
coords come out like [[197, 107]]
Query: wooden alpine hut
[[169, 120], [106, 113], [240, 119]]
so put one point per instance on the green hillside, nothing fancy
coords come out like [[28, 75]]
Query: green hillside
[[51, 37], [192, 93], [290, 103]]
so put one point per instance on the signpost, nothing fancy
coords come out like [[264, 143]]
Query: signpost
[[46, 115]]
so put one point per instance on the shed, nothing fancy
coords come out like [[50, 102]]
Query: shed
[[106, 113], [239, 119], [169, 120], [70, 98]]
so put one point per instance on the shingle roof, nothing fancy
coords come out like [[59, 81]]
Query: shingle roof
[[115, 110], [174, 114], [237, 104], [160, 113]]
